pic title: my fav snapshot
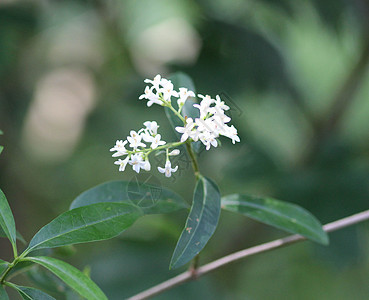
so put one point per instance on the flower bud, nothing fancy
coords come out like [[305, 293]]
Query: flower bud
[[174, 152], [147, 166]]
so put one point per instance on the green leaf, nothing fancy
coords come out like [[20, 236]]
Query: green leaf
[[152, 199], [46, 280], [3, 294], [179, 80], [19, 236], [71, 276], [283, 215], [6, 219], [3, 266], [29, 293], [94, 222], [201, 222], [19, 268]]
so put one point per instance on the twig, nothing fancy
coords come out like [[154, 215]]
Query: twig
[[188, 275]]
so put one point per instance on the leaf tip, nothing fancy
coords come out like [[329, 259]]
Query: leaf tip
[[324, 239], [175, 263]]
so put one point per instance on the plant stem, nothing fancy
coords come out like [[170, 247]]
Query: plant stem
[[10, 267], [9, 284], [195, 166], [193, 159], [149, 150], [16, 260], [194, 265], [169, 145], [212, 266], [15, 252], [176, 113]]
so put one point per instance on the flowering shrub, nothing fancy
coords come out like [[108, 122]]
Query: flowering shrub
[[106, 210]]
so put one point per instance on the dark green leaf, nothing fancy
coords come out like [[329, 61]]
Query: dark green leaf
[[71, 276], [283, 215], [65, 251], [29, 293], [94, 222], [6, 219], [179, 80], [151, 198], [46, 280], [201, 222], [20, 267], [3, 294]]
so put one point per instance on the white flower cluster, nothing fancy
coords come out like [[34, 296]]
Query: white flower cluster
[[161, 92], [211, 123], [137, 157]]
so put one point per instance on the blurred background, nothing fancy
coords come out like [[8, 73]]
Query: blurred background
[[293, 72]]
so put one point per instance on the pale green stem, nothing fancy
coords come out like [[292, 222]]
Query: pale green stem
[[177, 113], [149, 150], [15, 252]]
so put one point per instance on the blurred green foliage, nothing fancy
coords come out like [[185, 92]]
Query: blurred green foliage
[[295, 75]]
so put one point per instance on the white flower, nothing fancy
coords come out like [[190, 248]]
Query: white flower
[[219, 116], [147, 166], [207, 128], [204, 105], [152, 127], [150, 130], [174, 152], [156, 82], [155, 141], [220, 104], [231, 132], [151, 96], [135, 140], [146, 136], [167, 90], [137, 162], [147, 93], [122, 163], [120, 148], [208, 139], [153, 100], [186, 130], [183, 95], [167, 170]]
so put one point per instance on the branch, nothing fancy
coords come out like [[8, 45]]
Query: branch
[[194, 274]]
